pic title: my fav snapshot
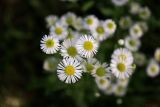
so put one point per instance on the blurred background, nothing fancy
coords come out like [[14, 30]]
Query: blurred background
[[24, 83]]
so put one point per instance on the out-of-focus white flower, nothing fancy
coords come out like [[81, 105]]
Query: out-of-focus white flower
[[78, 24], [157, 54], [143, 25], [69, 70], [134, 8], [87, 46], [144, 13], [139, 58], [58, 31], [51, 20], [49, 44], [110, 26], [153, 69], [89, 65], [125, 22], [119, 2], [121, 42], [102, 83], [136, 31], [90, 22], [132, 44]]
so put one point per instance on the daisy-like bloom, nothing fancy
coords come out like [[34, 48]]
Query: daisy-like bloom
[[121, 63], [136, 31], [125, 22], [68, 19], [59, 31], [119, 2], [153, 69], [87, 46], [78, 24], [110, 26], [50, 64], [51, 20], [123, 82], [89, 65], [144, 13], [101, 71], [69, 70], [119, 90], [143, 25], [132, 44], [109, 89], [90, 22], [68, 49], [73, 35], [140, 58], [157, 55], [102, 83], [99, 32], [123, 54], [49, 44], [134, 8]]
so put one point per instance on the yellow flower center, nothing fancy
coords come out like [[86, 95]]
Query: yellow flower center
[[102, 81], [49, 43], [69, 21], [89, 21], [88, 45], [136, 30], [110, 25], [70, 70], [89, 67], [132, 42], [101, 71], [100, 29], [121, 67], [58, 30], [153, 69], [72, 51]]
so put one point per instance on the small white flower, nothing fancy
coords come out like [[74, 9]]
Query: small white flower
[[110, 26], [49, 44], [144, 13], [119, 2], [125, 22], [140, 58], [68, 19], [99, 32], [101, 71], [68, 49], [87, 46], [58, 31], [90, 22], [123, 54], [157, 54], [132, 44], [153, 69], [123, 82], [121, 42], [89, 65], [143, 25], [102, 83], [136, 31], [121, 63], [78, 24], [51, 20], [134, 7], [69, 70], [119, 90]]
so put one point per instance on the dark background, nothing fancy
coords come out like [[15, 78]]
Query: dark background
[[22, 77]]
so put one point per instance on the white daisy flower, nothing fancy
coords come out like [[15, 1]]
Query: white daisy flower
[[143, 25], [110, 26], [87, 46], [49, 44], [123, 82], [132, 44], [153, 69], [90, 22], [134, 8], [123, 54], [51, 20], [119, 2], [102, 83], [125, 22], [121, 63], [99, 32], [101, 71], [69, 70], [68, 19], [157, 55], [109, 89], [89, 65], [136, 31], [59, 31], [144, 13], [119, 90], [78, 24], [140, 58], [68, 49], [73, 35]]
